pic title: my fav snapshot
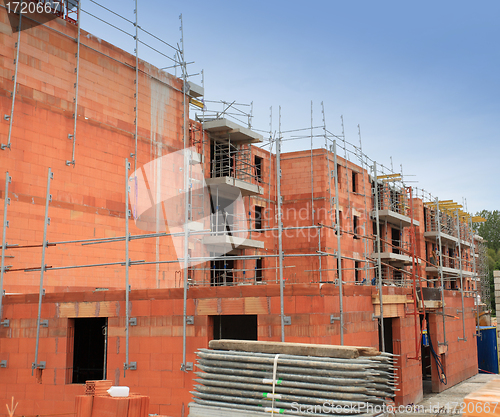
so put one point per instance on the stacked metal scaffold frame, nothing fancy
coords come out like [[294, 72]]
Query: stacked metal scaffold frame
[[254, 383]]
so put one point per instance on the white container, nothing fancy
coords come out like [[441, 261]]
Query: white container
[[119, 391]]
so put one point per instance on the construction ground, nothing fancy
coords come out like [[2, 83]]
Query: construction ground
[[142, 221]]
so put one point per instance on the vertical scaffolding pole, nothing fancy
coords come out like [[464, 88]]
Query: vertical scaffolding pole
[[312, 169], [339, 250], [186, 197], [328, 167], [349, 216], [77, 70], [414, 263], [10, 117], [475, 275], [438, 219], [280, 226], [269, 191], [48, 198], [366, 208], [127, 267], [379, 260], [136, 95], [6, 202], [461, 278]]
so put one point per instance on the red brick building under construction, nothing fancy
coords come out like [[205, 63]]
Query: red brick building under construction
[[301, 246]]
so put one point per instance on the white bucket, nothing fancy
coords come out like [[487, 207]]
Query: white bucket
[[119, 391]]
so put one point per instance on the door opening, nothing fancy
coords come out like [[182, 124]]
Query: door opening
[[89, 358], [387, 336], [426, 363]]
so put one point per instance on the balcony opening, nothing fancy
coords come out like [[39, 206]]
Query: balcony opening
[[357, 276], [398, 277], [221, 272], [237, 327], [258, 218], [394, 198], [87, 340], [223, 218], [258, 162], [222, 159], [396, 240], [355, 224], [258, 269]]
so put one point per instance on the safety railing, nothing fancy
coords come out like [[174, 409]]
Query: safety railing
[[393, 198], [233, 160]]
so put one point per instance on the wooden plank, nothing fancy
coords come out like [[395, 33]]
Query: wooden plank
[[390, 299], [300, 349], [390, 310], [430, 304]]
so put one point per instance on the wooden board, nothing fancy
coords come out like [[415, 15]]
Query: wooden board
[[300, 349], [390, 299]]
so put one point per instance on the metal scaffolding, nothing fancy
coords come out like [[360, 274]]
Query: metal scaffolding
[[75, 98], [10, 117], [231, 159]]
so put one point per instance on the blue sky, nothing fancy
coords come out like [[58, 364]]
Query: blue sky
[[420, 78]]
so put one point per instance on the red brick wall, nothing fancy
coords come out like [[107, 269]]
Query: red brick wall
[[89, 199], [460, 360], [89, 202], [156, 342]]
